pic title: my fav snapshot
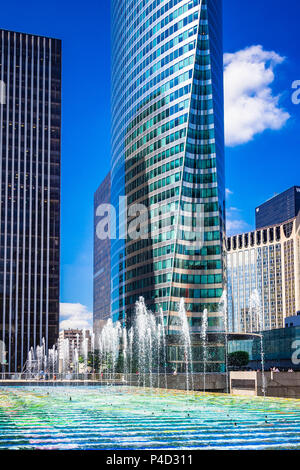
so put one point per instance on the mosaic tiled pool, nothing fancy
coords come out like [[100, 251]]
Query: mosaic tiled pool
[[132, 418]]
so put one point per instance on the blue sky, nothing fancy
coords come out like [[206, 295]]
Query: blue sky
[[265, 163]]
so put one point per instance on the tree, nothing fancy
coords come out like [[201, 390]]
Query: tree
[[93, 360], [238, 359]]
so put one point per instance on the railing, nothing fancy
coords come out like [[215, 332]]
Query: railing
[[42, 377]]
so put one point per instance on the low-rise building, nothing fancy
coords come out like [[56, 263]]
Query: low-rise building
[[74, 339]]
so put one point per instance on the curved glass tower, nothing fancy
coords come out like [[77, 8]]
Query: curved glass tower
[[168, 154]]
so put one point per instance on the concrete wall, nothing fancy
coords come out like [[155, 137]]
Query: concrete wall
[[277, 384], [214, 382]]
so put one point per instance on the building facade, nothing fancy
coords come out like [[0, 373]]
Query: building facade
[[101, 260], [168, 155], [30, 125], [268, 261], [281, 349], [278, 209], [73, 338]]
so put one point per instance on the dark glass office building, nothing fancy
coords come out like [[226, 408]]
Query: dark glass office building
[[30, 128], [168, 155], [101, 261], [280, 208], [281, 348]]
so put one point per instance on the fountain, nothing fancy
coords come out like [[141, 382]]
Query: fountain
[[257, 313], [204, 345], [163, 334], [223, 309], [134, 356], [139, 412], [185, 335]]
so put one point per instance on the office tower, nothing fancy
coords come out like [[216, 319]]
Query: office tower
[[30, 122], [101, 260], [168, 154], [268, 261], [278, 209]]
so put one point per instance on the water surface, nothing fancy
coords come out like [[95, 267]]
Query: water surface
[[133, 418]]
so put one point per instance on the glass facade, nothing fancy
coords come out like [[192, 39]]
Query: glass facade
[[168, 155], [282, 207], [30, 127], [281, 348]]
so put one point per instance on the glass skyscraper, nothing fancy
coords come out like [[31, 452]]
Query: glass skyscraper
[[168, 154], [30, 124], [278, 209]]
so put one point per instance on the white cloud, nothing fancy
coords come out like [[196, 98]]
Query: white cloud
[[75, 316], [250, 107], [228, 192], [234, 222]]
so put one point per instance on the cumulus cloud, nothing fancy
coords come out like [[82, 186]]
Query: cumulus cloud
[[234, 222], [250, 106], [75, 316]]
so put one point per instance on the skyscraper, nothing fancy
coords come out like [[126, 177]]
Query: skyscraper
[[168, 154], [30, 123], [278, 209]]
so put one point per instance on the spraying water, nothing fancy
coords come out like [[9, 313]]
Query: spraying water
[[204, 345], [141, 350], [257, 312], [185, 335], [163, 344], [125, 353], [224, 311]]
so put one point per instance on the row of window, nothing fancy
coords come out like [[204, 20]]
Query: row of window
[[175, 178], [150, 254], [158, 131], [156, 119], [174, 82], [164, 22], [172, 165], [195, 307], [203, 265], [161, 37], [200, 164], [208, 236], [182, 292], [158, 52], [148, 281], [207, 178], [182, 64], [159, 104], [168, 249], [168, 194], [151, 294], [190, 279], [197, 193], [158, 144], [170, 152]]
